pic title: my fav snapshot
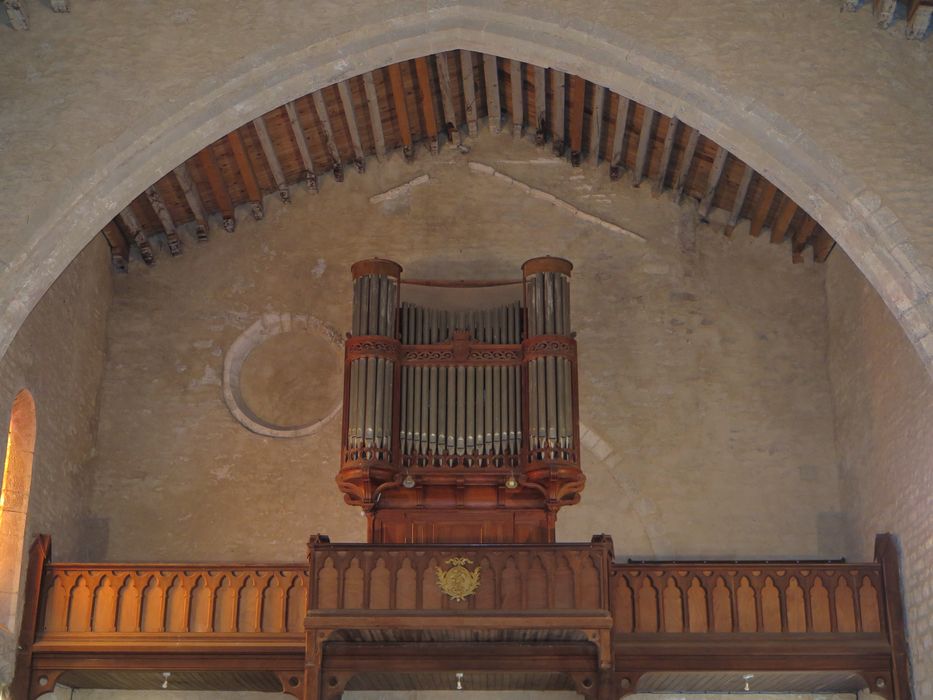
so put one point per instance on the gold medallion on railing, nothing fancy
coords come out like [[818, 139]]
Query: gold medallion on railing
[[458, 582]]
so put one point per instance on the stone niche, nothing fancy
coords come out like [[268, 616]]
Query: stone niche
[[282, 374]]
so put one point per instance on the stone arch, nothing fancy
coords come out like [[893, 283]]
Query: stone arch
[[855, 216], [14, 502]]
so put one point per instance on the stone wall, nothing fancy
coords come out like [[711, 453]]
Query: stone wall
[[883, 401], [58, 355], [706, 405]]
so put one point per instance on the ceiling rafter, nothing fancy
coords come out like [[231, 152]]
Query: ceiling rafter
[[429, 97]]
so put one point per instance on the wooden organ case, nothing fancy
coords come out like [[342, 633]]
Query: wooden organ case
[[460, 421]]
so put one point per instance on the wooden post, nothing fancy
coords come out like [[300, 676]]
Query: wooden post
[[39, 554], [886, 554]]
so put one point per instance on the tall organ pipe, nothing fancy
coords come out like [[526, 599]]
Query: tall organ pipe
[[369, 424], [549, 377]]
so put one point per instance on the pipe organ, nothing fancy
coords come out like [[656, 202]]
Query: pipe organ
[[460, 414]]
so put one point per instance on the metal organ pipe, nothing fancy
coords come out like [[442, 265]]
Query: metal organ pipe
[[550, 375], [370, 393]]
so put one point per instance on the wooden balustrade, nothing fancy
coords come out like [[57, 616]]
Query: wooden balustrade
[[774, 598], [648, 617], [511, 578], [173, 599]]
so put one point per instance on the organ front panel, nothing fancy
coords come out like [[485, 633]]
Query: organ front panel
[[460, 411]]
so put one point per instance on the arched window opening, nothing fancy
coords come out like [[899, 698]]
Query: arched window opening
[[14, 501]]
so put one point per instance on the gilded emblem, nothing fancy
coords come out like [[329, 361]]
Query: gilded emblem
[[458, 582]]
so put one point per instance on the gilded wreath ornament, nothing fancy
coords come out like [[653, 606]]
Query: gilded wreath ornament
[[458, 582]]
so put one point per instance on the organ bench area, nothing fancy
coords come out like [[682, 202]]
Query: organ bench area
[[460, 442]]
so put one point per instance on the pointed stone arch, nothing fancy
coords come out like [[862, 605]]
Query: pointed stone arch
[[838, 199]]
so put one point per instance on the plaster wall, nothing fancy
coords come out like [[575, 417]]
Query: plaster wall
[[101, 102], [58, 355], [883, 403], [706, 405]]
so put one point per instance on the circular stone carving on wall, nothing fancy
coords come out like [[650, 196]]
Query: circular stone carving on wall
[[283, 376]]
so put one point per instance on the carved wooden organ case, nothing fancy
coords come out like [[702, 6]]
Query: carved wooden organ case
[[460, 414]]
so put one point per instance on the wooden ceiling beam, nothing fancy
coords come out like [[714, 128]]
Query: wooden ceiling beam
[[245, 168], [575, 128], [644, 145], [330, 143], [739, 200], [401, 110], [715, 174], [686, 161], [129, 220], [346, 101], [617, 158], [16, 14], [669, 138], [193, 198], [427, 103], [301, 142], [165, 218], [823, 245], [272, 158], [516, 84], [596, 123], [216, 181], [782, 221], [760, 215], [375, 115], [919, 13], [801, 237], [119, 248], [447, 100], [883, 10], [540, 122], [469, 91], [558, 96], [493, 106]]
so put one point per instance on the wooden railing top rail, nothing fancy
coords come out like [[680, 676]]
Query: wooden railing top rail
[[175, 566]]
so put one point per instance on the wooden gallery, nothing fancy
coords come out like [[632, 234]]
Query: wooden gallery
[[461, 444]]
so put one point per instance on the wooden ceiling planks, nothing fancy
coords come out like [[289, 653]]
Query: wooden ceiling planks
[[420, 100]]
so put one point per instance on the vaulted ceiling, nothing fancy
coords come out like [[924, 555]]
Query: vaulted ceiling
[[435, 101]]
